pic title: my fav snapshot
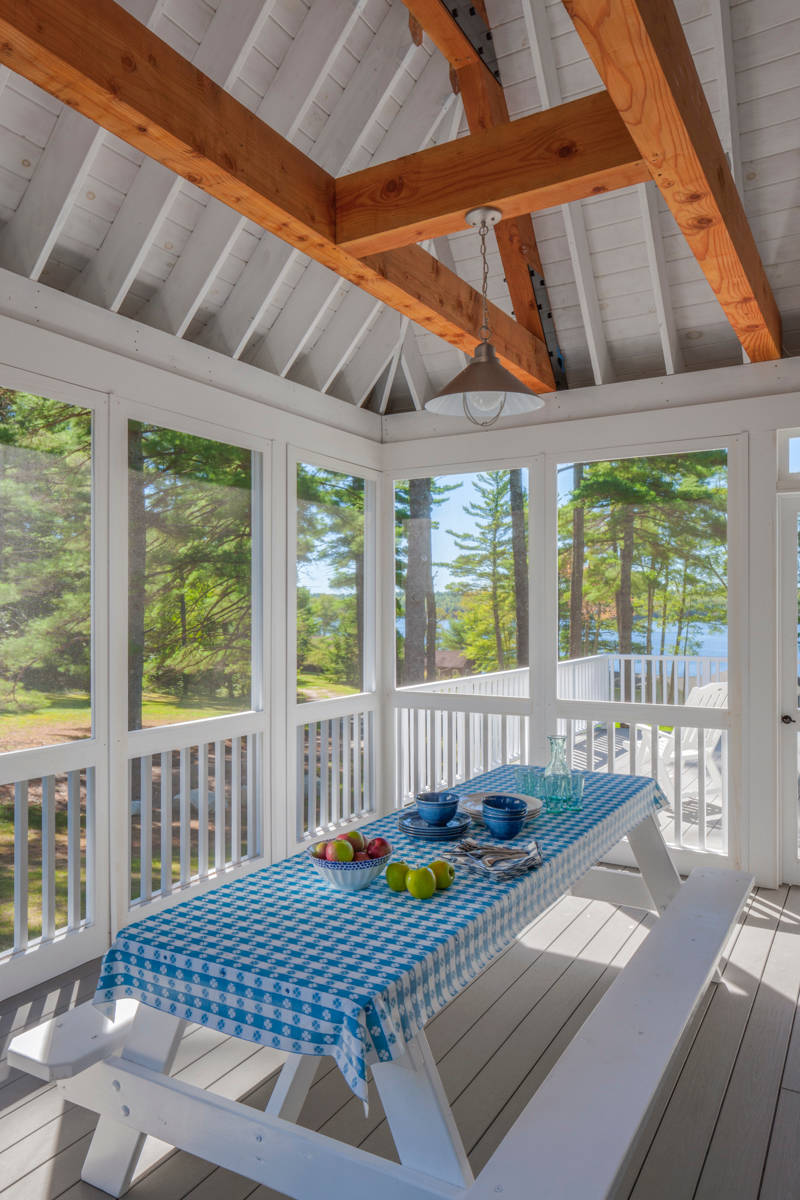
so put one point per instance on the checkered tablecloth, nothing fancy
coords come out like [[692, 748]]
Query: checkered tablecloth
[[280, 959]]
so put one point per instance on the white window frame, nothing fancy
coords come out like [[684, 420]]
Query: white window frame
[[369, 699], [46, 957], [127, 743]]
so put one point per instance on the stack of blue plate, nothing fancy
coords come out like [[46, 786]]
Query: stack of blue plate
[[412, 824]]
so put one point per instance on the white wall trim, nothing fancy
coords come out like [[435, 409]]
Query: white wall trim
[[65, 338]]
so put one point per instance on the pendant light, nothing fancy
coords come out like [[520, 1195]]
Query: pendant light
[[484, 389]]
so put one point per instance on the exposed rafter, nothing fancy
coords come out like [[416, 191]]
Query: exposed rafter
[[27, 241], [316, 47], [536, 25], [430, 112], [551, 157], [149, 95], [640, 51], [386, 59]]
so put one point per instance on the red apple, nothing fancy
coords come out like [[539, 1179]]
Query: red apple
[[356, 839], [378, 847], [339, 851], [361, 856], [318, 849]]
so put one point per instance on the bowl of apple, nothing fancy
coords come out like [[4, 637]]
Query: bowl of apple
[[349, 862]]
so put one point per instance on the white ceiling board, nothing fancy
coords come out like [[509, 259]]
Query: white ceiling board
[[151, 245]]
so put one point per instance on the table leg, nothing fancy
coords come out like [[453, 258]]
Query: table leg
[[288, 1095], [655, 864], [115, 1148], [419, 1115]]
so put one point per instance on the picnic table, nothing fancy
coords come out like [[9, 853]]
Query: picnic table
[[280, 959]]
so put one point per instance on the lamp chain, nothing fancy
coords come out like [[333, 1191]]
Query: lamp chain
[[483, 231]]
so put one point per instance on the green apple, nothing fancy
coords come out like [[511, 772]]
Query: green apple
[[421, 883], [339, 851], [444, 873], [396, 876], [356, 839]]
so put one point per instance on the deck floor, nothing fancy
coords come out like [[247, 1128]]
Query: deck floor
[[728, 1124]]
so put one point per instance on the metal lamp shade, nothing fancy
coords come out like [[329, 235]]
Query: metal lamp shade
[[489, 389]]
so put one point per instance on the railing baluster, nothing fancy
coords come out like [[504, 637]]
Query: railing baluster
[[312, 822], [73, 849], [357, 760], [610, 746], [701, 788], [90, 906], [336, 742], [165, 809], [146, 826], [202, 810], [324, 772], [236, 799], [503, 740], [185, 809], [219, 805], [467, 745], [678, 776], [21, 865], [300, 784], [366, 803], [347, 758], [486, 755], [632, 736], [590, 745], [48, 856]]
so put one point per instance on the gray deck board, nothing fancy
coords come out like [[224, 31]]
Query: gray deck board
[[729, 1123]]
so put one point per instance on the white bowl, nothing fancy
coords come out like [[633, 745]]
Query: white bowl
[[349, 876]]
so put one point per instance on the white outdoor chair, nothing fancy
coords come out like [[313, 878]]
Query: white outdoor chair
[[709, 695]]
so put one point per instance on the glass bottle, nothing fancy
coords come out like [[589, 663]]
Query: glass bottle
[[557, 776]]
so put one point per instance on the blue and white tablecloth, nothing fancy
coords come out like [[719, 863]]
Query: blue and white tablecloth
[[280, 959]]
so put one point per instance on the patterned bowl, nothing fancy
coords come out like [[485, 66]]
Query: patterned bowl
[[349, 876]]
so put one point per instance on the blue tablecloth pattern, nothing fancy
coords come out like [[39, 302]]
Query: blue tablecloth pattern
[[280, 959]]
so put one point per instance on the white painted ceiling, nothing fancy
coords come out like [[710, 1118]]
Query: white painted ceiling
[[86, 214]]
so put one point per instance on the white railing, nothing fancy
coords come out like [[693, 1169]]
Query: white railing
[[335, 763], [689, 761], [53, 788], [631, 678], [494, 683], [194, 802], [621, 714], [443, 740], [661, 678]]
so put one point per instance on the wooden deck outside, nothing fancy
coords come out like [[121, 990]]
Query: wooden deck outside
[[728, 1124]]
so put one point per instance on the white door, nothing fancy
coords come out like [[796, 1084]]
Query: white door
[[789, 732]]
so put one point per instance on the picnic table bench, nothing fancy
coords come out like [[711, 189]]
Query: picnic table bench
[[117, 1065]]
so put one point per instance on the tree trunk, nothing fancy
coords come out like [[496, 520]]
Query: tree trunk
[[418, 576], [359, 573], [137, 553], [498, 631], [519, 546], [576, 577]]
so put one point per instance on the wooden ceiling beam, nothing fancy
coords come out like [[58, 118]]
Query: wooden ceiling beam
[[560, 154], [640, 51], [137, 87]]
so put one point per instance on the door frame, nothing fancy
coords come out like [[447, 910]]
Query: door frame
[[787, 745]]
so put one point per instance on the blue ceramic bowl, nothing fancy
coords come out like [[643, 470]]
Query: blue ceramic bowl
[[437, 808], [504, 815]]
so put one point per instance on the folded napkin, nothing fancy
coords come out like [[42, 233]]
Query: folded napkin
[[497, 862]]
